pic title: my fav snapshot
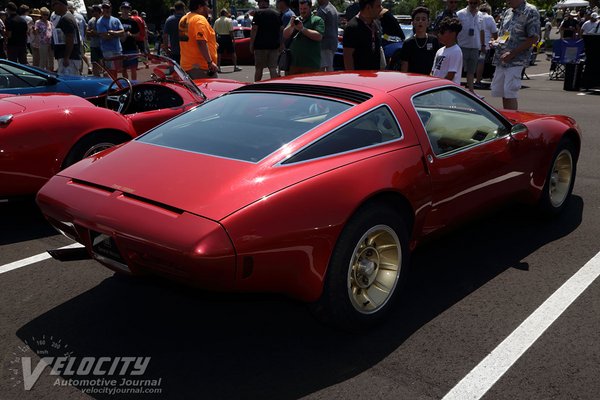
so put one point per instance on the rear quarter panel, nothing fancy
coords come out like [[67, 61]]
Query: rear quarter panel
[[288, 236]]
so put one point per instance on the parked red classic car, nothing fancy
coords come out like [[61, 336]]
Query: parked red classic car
[[316, 186], [242, 47], [40, 134]]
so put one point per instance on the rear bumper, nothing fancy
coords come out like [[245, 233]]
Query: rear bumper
[[149, 238]]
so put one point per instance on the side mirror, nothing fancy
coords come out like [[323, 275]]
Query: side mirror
[[519, 132]]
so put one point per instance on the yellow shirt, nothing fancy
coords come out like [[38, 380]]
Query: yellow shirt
[[223, 26], [195, 28]]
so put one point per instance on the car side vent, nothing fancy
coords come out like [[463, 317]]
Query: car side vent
[[93, 185], [164, 206], [353, 96]]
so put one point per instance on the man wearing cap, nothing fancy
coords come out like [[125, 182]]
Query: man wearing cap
[[170, 34], [224, 30], [568, 28], [128, 40], [110, 30], [591, 26], [198, 42], [66, 40], [95, 51], [519, 30]]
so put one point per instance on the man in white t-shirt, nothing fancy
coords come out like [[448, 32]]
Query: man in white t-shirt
[[471, 39], [591, 26], [449, 59]]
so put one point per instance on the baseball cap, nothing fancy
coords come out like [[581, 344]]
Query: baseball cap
[[105, 4], [125, 4], [594, 15], [96, 7]]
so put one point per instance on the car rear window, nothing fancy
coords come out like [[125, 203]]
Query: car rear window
[[244, 126]]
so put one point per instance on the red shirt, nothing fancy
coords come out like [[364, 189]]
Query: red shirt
[[141, 25]]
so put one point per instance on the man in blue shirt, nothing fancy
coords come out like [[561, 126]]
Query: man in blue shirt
[[110, 30], [171, 32]]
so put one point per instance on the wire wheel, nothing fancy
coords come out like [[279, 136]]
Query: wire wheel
[[374, 269], [97, 148], [560, 178]]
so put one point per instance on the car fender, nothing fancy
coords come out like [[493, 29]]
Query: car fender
[[263, 231]]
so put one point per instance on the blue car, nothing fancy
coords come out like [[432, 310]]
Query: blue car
[[391, 48], [16, 78]]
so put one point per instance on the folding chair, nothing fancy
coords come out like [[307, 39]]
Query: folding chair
[[564, 52]]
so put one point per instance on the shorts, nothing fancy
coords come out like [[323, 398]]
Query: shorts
[[96, 54], [507, 82], [470, 59], [74, 67], [225, 44], [327, 59], [111, 65], [266, 58], [130, 62]]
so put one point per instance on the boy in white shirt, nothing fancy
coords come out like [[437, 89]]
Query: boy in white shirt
[[449, 59]]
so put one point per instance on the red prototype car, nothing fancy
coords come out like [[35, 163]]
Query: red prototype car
[[43, 133], [316, 186]]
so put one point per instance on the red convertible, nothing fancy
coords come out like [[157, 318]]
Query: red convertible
[[316, 186], [41, 134]]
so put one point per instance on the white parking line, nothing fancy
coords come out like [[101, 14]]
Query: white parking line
[[545, 73], [488, 371], [31, 260]]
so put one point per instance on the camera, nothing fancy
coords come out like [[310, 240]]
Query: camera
[[297, 21]]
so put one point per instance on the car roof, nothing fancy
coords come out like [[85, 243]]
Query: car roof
[[370, 82]]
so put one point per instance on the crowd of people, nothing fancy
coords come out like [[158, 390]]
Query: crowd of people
[[57, 39], [292, 38]]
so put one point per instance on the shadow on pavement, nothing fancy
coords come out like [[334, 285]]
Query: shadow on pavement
[[206, 345], [21, 221]]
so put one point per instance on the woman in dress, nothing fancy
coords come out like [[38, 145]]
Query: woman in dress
[[43, 30]]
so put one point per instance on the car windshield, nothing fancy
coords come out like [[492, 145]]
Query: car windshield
[[245, 126], [155, 68]]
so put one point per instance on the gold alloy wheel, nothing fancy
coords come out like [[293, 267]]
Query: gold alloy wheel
[[374, 269], [560, 178]]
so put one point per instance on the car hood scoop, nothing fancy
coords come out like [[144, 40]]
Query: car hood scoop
[[204, 185]]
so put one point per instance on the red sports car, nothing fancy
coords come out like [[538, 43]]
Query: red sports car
[[316, 186], [41, 134]]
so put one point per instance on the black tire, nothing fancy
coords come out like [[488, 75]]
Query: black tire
[[355, 270], [560, 179], [89, 144]]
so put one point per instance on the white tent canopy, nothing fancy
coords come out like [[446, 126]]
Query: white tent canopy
[[572, 4]]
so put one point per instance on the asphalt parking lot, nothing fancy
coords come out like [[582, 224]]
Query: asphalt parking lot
[[470, 294]]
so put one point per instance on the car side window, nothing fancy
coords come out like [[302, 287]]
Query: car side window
[[454, 121], [375, 127], [17, 78]]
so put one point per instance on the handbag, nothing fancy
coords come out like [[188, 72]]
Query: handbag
[[285, 60]]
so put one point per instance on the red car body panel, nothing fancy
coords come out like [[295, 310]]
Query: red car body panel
[[273, 227]]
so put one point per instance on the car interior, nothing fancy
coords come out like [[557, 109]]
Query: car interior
[[454, 121]]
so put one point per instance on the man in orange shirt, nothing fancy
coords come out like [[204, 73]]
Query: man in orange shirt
[[198, 42]]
